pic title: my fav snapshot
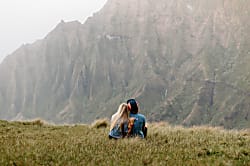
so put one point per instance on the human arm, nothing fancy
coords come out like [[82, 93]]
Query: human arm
[[144, 128]]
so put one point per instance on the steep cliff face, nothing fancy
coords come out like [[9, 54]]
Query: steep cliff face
[[186, 62]]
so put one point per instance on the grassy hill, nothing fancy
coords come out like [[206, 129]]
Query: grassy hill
[[37, 143]]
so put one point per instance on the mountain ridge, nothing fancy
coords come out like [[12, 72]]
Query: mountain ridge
[[185, 62]]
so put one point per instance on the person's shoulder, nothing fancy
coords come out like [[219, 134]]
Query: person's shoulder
[[138, 115], [141, 116]]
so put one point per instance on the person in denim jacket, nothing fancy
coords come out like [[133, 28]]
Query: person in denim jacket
[[139, 120], [119, 122], [127, 122]]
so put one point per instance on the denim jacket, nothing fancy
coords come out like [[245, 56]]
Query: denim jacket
[[116, 132], [139, 124]]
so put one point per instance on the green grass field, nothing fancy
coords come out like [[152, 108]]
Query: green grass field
[[38, 143]]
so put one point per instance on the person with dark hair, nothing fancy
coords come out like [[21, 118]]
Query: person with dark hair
[[137, 122]]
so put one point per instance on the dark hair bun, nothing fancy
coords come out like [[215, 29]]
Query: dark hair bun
[[132, 105]]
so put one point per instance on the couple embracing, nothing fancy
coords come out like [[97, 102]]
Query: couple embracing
[[127, 122]]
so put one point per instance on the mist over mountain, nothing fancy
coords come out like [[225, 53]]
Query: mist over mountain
[[186, 62]]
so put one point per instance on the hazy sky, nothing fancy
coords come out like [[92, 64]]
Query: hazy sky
[[24, 21]]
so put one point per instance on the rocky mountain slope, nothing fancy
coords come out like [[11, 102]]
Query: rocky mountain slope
[[186, 62]]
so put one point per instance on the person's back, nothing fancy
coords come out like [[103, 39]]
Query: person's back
[[118, 128], [139, 123]]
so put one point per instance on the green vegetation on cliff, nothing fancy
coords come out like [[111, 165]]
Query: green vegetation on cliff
[[186, 62]]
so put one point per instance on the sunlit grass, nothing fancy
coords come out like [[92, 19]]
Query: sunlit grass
[[27, 143]]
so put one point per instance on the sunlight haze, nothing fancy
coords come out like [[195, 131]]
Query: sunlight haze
[[29, 20]]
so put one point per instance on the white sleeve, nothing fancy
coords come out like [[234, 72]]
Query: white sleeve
[[113, 116]]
